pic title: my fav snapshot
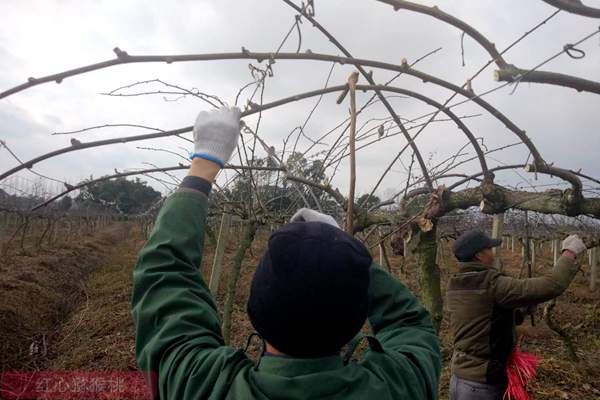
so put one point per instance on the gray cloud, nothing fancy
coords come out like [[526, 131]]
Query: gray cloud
[[60, 35]]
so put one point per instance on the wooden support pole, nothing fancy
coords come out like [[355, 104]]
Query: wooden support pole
[[512, 244], [352, 92], [497, 228], [217, 267], [555, 250]]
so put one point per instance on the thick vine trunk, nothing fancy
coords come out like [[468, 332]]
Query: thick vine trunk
[[558, 330], [429, 275], [234, 274], [221, 243], [495, 199]]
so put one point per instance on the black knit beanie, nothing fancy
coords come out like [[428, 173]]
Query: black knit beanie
[[309, 295]]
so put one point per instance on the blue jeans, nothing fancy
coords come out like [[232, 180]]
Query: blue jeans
[[462, 389]]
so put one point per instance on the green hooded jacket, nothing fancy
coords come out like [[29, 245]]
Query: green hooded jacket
[[180, 347]]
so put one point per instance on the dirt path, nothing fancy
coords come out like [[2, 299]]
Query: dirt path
[[99, 334]]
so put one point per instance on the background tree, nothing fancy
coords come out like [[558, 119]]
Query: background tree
[[121, 195], [369, 201]]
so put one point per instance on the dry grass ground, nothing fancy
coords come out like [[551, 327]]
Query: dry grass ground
[[94, 330], [41, 289]]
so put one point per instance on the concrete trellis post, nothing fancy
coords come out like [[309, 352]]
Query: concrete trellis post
[[497, 227], [594, 267], [512, 244], [217, 268], [532, 246], [381, 250], [555, 250]]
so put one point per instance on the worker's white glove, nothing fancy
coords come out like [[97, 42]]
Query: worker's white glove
[[216, 134], [308, 215], [574, 244]]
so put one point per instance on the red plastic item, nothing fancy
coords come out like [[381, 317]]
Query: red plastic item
[[521, 367]]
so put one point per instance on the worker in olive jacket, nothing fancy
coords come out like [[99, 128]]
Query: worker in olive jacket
[[483, 304], [312, 291]]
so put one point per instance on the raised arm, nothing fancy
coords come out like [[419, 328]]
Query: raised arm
[[400, 324], [178, 334], [512, 292], [403, 326]]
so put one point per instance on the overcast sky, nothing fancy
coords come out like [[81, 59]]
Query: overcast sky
[[43, 37]]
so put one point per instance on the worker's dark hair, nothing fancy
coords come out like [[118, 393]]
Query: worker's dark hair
[[472, 242], [466, 259]]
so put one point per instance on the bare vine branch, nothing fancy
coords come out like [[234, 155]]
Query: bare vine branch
[[506, 72], [575, 7]]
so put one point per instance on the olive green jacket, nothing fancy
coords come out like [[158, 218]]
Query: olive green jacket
[[482, 303], [180, 346]]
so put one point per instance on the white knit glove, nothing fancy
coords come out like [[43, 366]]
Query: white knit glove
[[216, 134], [308, 215], [574, 244]]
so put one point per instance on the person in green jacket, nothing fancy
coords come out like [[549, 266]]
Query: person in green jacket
[[311, 294], [485, 305]]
